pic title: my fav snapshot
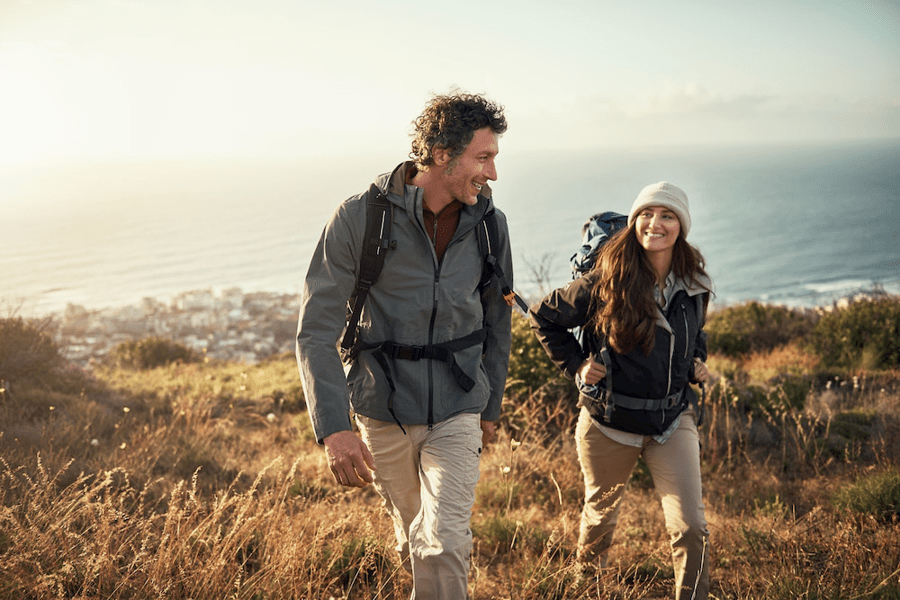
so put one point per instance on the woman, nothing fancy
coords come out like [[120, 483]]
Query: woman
[[641, 311]]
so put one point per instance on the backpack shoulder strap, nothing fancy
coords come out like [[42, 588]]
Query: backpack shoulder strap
[[379, 215], [488, 236]]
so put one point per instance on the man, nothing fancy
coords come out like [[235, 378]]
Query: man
[[423, 419]]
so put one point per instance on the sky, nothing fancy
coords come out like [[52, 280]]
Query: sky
[[98, 80]]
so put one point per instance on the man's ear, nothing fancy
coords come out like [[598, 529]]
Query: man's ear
[[440, 155]]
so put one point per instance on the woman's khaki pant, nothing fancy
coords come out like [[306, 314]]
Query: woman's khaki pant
[[675, 467], [427, 480]]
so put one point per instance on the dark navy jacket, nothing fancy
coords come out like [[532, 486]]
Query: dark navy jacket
[[666, 370]]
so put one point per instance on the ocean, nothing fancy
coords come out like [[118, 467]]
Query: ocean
[[801, 225]]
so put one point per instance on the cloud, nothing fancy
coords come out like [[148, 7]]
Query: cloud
[[692, 113], [693, 99]]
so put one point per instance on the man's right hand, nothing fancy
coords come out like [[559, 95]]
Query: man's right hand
[[349, 459]]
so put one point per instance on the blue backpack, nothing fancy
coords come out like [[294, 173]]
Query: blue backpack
[[596, 231]]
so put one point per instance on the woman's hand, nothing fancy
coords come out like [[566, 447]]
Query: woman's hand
[[701, 373], [591, 371]]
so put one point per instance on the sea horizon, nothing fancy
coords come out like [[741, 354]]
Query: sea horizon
[[793, 224]]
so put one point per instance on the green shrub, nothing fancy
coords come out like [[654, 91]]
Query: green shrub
[[529, 366], [876, 495], [502, 534], [792, 390], [755, 327], [27, 351], [864, 335], [150, 353], [360, 559]]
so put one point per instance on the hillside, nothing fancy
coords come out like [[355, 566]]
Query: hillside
[[201, 478]]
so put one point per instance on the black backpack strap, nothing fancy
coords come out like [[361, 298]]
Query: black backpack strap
[[444, 351], [610, 399], [488, 234], [379, 215], [701, 407]]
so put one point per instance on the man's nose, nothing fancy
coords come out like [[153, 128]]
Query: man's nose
[[491, 171]]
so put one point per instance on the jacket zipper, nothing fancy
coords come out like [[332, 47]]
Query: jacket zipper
[[434, 308]]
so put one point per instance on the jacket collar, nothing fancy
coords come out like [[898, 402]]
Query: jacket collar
[[409, 197], [702, 285]]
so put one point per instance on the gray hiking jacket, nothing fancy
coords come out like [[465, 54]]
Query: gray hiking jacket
[[416, 301]]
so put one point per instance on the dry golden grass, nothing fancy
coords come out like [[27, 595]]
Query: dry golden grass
[[789, 359], [210, 485]]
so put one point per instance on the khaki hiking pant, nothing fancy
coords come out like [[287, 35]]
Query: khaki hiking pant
[[427, 480], [675, 467]]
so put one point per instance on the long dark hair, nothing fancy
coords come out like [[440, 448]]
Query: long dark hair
[[624, 304]]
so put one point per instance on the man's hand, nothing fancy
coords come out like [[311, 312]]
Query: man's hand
[[349, 459], [488, 432], [591, 371]]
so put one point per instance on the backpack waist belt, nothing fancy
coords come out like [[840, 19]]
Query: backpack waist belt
[[443, 351], [629, 402], [614, 399]]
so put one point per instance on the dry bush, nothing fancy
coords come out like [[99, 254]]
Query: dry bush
[[789, 359], [755, 327]]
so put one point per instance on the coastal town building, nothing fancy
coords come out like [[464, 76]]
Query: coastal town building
[[230, 325]]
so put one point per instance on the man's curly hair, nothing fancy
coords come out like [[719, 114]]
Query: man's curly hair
[[450, 121]]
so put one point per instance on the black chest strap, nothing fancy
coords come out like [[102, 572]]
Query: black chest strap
[[444, 352]]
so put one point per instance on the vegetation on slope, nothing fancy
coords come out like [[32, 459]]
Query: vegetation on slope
[[162, 475]]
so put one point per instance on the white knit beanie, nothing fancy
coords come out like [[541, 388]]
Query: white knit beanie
[[663, 194]]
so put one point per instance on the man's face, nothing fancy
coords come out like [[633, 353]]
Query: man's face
[[468, 172]]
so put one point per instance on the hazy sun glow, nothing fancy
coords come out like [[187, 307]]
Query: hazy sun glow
[[122, 79]]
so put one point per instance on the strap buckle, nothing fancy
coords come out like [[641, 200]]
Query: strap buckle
[[674, 400], [402, 352]]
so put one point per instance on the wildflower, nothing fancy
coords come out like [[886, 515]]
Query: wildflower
[[122, 446], [95, 442], [505, 470], [126, 409], [514, 444], [270, 417]]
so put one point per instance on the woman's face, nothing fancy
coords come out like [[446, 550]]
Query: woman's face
[[657, 228]]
